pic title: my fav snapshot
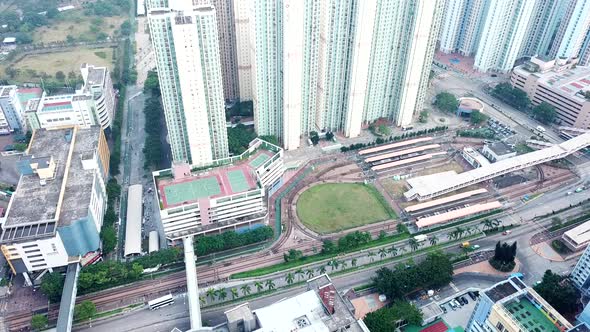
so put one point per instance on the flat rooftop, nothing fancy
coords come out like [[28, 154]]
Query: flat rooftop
[[96, 75], [34, 204], [579, 234], [26, 94], [500, 148], [321, 308], [501, 291], [529, 316], [216, 182], [569, 81]]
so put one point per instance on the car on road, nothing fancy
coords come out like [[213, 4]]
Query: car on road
[[506, 232], [444, 309]]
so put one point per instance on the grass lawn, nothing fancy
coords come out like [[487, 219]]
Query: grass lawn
[[328, 208], [65, 61], [77, 25]]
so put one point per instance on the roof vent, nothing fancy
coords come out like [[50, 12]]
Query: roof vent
[[42, 182]]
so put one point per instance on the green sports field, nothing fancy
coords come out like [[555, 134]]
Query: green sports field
[[332, 207]]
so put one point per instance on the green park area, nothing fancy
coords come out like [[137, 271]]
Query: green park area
[[332, 207]]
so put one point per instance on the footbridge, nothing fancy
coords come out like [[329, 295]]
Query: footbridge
[[429, 186]]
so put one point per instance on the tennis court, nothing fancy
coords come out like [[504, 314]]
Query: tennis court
[[237, 181], [258, 161], [191, 190]]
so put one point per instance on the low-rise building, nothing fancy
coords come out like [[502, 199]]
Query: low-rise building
[[474, 157], [559, 83], [497, 151], [580, 275], [511, 306], [227, 194], [92, 105], [320, 308], [578, 237], [11, 111], [56, 212]]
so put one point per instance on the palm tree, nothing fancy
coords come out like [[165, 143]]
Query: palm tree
[[202, 300], [211, 294], [300, 274], [222, 293], [382, 253], [246, 289], [258, 285], [469, 230], [234, 293], [343, 265], [460, 232], [270, 284], [393, 251], [289, 278], [402, 250], [353, 262], [334, 264], [433, 240], [322, 269], [487, 224], [371, 256], [309, 273], [413, 244]]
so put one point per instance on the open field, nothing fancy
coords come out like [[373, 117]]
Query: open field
[[332, 207], [60, 61], [76, 24]]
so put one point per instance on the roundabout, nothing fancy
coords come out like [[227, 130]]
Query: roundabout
[[333, 207]]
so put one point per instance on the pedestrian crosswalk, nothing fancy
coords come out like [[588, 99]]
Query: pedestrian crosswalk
[[454, 287]]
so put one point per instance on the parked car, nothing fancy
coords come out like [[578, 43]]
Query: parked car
[[471, 295], [464, 300]]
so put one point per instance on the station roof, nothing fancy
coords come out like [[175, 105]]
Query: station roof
[[500, 148], [580, 234], [455, 214], [133, 221], [444, 200], [394, 145], [441, 183]]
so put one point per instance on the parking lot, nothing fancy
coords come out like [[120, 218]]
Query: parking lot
[[501, 130], [458, 315]]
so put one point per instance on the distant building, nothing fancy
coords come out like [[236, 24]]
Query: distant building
[[92, 105], [226, 194], [511, 306], [474, 158], [497, 151], [55, 214], [98, 83], [581, 273], [560, 83], [320, 308], [11, 111], [577, 238]]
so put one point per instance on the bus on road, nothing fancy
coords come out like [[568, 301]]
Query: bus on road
[[161, 302]]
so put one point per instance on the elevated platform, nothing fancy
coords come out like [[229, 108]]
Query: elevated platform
[[426, 187]]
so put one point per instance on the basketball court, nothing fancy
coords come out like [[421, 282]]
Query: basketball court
[[237, 181], [259, 160], [191, 190]]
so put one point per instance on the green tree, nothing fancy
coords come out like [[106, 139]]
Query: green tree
[[423, 118], [259, 286], [413, 244], [126, 28], [234, 293], [52, 286], [385, 319], [246, 289], [60, 76], [84, 310], [238, 138], [545, 113], [477, 117], [559, 292], [322, 269], [401, 228], [222, 294], [300, 274], [433, 239], [446, 102], [314, 137], [211, 294], [38, 322], [382, 253], [270, 138], [289, 278], [353, 262], [329, 136], [309, 273], [151, 84], [513, 96], [371, 256], [328, 247], [108, 236]]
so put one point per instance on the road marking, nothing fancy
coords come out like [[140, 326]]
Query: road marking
[[454, 287]]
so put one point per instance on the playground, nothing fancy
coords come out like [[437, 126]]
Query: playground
[[332, 207]]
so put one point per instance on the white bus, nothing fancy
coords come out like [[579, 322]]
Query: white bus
[[161, 302]]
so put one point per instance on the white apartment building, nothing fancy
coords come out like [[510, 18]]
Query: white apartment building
[[56, 212], [11, 111], [503, 34], [64, 110], [229, 193], [461, 26], [572, 30], [545, 21], [186, 44], [581, 273], [224, 10], [243, 24], [98, 83]]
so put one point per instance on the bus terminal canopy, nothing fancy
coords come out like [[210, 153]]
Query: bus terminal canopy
[[133, 222]]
